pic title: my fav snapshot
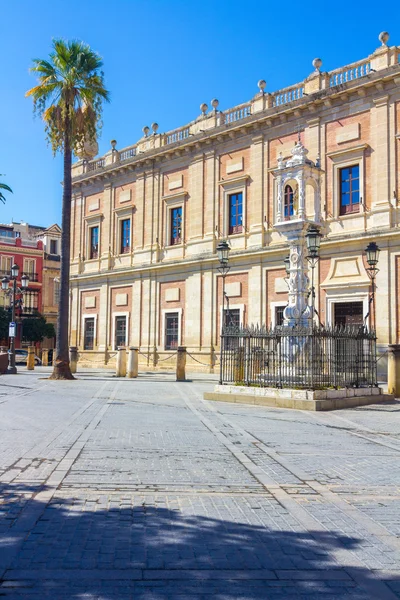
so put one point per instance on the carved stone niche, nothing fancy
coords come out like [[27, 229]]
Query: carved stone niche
[[297, 194]]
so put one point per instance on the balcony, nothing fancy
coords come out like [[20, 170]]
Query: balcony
[[33, 277]]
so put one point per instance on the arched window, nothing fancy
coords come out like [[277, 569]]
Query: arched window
[[288, 204]]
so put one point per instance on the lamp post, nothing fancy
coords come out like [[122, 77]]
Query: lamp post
[[372, 255], [223, 250], [313, 241], [13, 291]]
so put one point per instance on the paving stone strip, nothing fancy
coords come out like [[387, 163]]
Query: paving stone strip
[[304, 516], [32, 510]]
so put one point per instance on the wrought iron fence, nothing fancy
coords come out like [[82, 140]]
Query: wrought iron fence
[[304, 358]]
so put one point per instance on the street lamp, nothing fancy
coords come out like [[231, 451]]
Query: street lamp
[[313, 241], [223, 250], [13, 291], [372, 255]]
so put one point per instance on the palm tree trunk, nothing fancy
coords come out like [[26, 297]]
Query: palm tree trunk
[[61, 369]]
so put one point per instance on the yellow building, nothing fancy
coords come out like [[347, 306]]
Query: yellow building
[[146, 219]]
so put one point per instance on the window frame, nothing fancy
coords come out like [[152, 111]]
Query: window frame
[[91, 229], [231, 187], [125, 314], [3, 259], [235, 229], [291, 202], [86, 318], [125, 249], [343, 207], [170, 202], [179, 239], [340, 160], [56, 247], [164, 313]]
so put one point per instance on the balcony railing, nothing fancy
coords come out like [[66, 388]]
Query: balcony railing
[[288, 95], [237, 113], [345, 74], [96, 164], [32, 276], [178, 135], [126, 154]]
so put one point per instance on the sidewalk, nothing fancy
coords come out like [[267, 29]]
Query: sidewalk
[[116, 488]]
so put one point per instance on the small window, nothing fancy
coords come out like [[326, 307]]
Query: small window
[[6, 264], [94, 242], [279, 315], [88, 341], [288, 203], [56, 292], [120, 331], [232, 317], [53, 246], [176, 226], [125, 236], [171, 331], [235, 213], [349, 182]]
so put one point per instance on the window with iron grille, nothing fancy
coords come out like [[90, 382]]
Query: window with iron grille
[[349, 181], [235, 212], [125, 236], [120, 331], [56, 292], [232, 317], [348, 313], [171, 331], [94, 242], [288, 203], [279, 315], [88, 335], [176, 226]]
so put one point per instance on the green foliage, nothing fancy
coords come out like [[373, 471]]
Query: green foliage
[[5, 319], [3, 186], [34, 329], [69, 94]]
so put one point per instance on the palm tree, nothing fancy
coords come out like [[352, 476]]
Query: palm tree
[[3, 186], [69, 97]]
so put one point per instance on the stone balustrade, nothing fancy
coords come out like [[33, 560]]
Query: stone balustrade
[[383, 58]]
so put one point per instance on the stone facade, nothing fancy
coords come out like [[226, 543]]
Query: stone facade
[[170, 195]]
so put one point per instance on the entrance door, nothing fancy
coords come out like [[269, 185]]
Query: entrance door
[[348, 313]]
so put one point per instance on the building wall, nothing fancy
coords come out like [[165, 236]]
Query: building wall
[[340, 125]]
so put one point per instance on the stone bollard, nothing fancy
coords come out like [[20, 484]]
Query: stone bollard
[[121, 362], [73, 358], [30, 363], [45, 357], [133, 362], [394, 370], [181, 364]]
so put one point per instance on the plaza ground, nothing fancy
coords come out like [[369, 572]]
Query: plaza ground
[[117, 489]]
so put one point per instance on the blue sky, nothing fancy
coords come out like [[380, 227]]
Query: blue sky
[[162, 59]]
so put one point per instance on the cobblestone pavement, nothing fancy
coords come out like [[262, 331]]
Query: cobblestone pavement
[[117, 489]]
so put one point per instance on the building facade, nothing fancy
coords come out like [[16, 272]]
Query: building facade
[[36, 250], [147, 218]]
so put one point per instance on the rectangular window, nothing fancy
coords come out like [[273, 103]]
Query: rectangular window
[[94, 242], [56, 292], [120, 331], [171, 331], [88, 340], [232, 317], [125, 236], [53, 246], [235, 213], [349, 182], [279, 315], [176, 226], [30, 302], [348, 313], [6, 264]]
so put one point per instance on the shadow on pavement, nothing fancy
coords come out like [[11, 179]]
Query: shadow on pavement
[[126, 545]]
